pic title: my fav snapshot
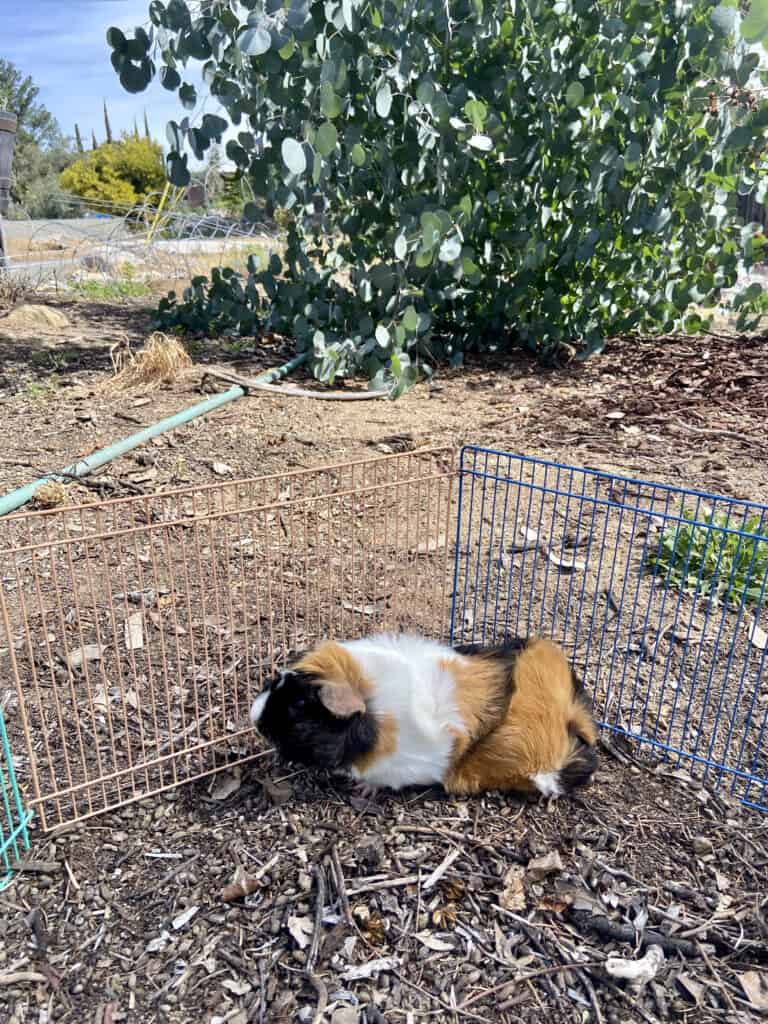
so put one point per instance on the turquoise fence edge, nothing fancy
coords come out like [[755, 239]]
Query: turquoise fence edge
[[16, 499], [14, 820]]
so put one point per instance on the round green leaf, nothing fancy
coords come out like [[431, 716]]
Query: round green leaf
[[115, 39], [450, 250], [357, 155], [326, 139], [425, 92], [401, 247], [410, 319], [136, 78], [754, 27], [574, 94], [482, 142], [330, 104], [254, 41], [382, 336], [384, 99], [170, 79], [293, 156], [188, 96]]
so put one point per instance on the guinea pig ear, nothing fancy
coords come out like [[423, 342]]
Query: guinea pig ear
[[341, 699]]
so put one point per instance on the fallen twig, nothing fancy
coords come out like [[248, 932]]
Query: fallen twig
[[625, 933], [317, 983]]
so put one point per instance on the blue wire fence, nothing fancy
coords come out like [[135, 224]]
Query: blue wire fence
[[14, 838], [658, 593]]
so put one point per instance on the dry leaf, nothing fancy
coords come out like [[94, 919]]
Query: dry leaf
[[101, 699], [90, 652], [637, 972], [758, 637], [572, 564], [184, 919], [225, 784], [755, 987], [689, 985], [158, 945], [615, 414], [237, 988], [549, 864], [301, 930], [134, 632], [131, 699], [221, 468], [361, 609], [432, 942], [361, 971], [513, 894]]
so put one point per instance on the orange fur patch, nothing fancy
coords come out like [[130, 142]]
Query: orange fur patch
[[386, 743], [537, 734], [332, 663], [481, 695]]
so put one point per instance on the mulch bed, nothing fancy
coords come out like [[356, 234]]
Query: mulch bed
[[410, 907]]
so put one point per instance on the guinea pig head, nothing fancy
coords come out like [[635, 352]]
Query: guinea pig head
[[315, 715]]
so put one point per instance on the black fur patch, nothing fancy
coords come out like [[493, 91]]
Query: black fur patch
[[579, 767], [304, 731]]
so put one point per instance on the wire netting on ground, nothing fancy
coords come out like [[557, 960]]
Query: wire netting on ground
[[140, 630], [14, 837], [658, 593], [137, 631]]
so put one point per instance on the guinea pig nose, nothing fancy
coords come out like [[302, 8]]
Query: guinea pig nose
[[257, 708]]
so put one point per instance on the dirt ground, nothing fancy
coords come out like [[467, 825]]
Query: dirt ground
[[412, 907]]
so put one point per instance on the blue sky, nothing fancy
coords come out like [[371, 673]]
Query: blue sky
[[62, 44]]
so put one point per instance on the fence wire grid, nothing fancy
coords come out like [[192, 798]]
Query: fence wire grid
[[137, 631], [658, 594]]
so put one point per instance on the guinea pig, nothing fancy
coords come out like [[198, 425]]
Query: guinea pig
[[398, 710]]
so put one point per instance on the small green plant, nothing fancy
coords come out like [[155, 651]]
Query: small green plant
[[39, 390], [109, 291], [698, 557]]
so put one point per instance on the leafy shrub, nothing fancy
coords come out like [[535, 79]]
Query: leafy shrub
[[465, 175], [698, 557], [120, 173]]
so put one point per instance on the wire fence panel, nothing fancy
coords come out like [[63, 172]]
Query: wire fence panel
[[139, 630], [14, 837], [657, 592]]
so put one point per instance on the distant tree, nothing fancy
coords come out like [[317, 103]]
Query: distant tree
[[135, 129], [123, 173], [147, 134], [41, 151], [79, 140], [107, 125], [94, 143]]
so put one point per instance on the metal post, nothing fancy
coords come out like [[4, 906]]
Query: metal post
[[8, 125]]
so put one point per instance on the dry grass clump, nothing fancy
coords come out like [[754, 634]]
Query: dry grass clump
[[162, 360]]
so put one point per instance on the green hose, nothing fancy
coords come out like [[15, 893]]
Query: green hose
[[10, 502]]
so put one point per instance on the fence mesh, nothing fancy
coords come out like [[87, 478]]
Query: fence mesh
[[658, 593], [14, 837], [139, 630]]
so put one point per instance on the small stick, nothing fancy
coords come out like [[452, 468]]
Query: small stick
[[245, 883], [19, 977], [70, 875], [388, 883], [38, 867], [441, 869], [341, 886], [317, 983], [175, 870]]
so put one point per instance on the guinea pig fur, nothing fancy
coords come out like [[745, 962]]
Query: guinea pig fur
[[401, 710]]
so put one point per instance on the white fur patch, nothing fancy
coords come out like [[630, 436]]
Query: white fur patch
[[257, 708], [548, 783], [409, 685]]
